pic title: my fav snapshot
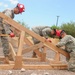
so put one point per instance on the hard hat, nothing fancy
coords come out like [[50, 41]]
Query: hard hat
[[21, 8]]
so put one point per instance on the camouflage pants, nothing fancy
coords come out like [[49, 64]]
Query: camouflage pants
[[71, 63], [4, 40], [35, 41]]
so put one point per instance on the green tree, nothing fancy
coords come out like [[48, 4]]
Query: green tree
[[24, 24], [69, 28], [55, 27]]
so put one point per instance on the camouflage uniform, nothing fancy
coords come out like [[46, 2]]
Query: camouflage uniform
[[43, 31], [5, 29], [69, 42]]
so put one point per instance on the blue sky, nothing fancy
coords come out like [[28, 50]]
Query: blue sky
[[43, 12]]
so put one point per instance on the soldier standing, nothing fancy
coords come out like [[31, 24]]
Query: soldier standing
[[69, 42], [43, 31], [5, 28]]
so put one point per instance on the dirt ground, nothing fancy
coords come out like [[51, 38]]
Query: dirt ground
[[50, 54], [37, 72]]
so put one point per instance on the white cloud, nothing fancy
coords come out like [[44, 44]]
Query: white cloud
[[14, 1], [5, 5], [1, 3]]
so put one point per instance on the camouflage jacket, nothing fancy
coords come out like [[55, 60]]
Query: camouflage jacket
[[69, 42], [42, 30], [9, 13]]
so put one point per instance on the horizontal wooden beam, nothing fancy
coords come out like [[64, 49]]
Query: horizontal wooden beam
[[4, 35], [45, 67], [31, 59], [2, 58], [35, 67], [6, 66]]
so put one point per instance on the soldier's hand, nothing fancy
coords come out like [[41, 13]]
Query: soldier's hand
[[49, 40], [12, 34]]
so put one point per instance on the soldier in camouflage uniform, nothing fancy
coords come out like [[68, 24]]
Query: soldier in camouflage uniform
[[43, 31], [5, 28], [69, 42]]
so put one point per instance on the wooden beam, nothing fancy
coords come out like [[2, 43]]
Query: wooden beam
[[27, 41], [35, 60], [21, 28], [19, 53], [38, 52], [12, 51], [34, 47], [43, 57], [31, 59], [35, 67], [18, 62], [2, 58], [4, 35], [57, 57], [45, 67], [6, 66], [18, 58]]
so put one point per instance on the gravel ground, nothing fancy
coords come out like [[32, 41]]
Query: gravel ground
[[36, 72], [50, 54]]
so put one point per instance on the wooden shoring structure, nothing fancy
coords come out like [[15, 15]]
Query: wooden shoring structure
[[18, 59]]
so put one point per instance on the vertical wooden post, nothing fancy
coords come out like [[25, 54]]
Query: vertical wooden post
[[43, 55], [18, 60], [57, 56]]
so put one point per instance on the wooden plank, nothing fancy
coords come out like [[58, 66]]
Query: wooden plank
[[6, 66], [34, 47], [43, 57], [31, 59], [45, 49], [18, 62], [45, 67], [20, 28], [2, 58], [38, 52], [4, 35], [35, 67], [19, 53], [57, 57], [35, 60], [12, 51], [27, 41], [16, 40]]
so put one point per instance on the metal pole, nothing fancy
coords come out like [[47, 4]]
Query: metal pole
[[57, 20]]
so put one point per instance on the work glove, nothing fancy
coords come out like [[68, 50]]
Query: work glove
[[12, 34], [48, 40]]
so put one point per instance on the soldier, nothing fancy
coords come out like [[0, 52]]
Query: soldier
[[43, 31], [69, 42], [56, 33], [5, 28]]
